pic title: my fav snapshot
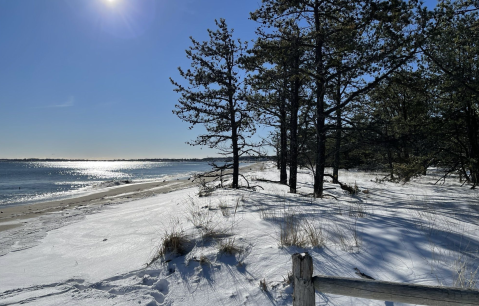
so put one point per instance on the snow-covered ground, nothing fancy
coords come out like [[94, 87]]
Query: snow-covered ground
[[416, 233]]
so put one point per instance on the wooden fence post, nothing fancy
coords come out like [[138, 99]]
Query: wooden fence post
[[303, 293]]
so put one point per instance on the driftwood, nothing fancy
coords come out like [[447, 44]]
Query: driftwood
[[270, 181], [222, 173]]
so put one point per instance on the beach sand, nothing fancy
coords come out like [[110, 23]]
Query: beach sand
[[11, 217]]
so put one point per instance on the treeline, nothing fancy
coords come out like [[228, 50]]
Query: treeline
[[385, 85], [205, 159]]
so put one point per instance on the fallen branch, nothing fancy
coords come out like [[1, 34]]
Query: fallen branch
[[351, 190]]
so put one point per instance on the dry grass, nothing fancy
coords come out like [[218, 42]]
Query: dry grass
[[210, 224], [228, 246], [174, 242], [199, 216], [263, 285], [207, 221], [291, 233], [205, 189], [215, 231], [349, 239], [225, 209], [462, 264], [301, 232], [466, 275], [357, 211], [288, 279], [314, 234], [202, 260]]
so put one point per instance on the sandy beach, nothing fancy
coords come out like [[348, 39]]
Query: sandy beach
[[12, 217]]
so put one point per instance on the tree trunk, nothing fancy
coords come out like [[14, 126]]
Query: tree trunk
[[337, 148], [472, 133], [283, 157], [293, 165], [320, 115], [320, 154], [235, 159], [389, 153]]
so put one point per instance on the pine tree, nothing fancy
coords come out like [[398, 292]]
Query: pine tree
[[451, 54], [216, 95], [374, 39]]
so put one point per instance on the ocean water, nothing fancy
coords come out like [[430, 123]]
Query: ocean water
[[31, 182]]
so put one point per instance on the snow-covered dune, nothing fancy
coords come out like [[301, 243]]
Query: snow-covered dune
[[416, 233]]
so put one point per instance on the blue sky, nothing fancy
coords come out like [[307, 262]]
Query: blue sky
[[89, 78]]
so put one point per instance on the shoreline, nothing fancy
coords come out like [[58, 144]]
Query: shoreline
[[12, 216]]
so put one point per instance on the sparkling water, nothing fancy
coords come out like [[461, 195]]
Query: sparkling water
[[30, 182]]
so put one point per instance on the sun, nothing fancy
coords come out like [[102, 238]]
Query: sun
[[112, 3]]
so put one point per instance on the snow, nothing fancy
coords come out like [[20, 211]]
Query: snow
[[417, 233]]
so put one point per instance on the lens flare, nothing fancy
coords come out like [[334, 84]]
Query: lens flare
[[124, 19]]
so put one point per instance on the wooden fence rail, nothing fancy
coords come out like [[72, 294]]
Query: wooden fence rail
[[305, 283]]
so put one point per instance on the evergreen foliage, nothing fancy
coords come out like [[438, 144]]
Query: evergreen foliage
[[384, 85], [216, 95]]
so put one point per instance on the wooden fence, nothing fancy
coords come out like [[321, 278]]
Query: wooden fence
[[305, 285]]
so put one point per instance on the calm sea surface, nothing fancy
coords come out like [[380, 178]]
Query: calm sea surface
[[30, 182]]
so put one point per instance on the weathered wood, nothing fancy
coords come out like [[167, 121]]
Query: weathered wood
[[395, 292], [303, 294]]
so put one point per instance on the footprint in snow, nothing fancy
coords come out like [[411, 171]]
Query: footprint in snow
[[162, 286], [159, 297]]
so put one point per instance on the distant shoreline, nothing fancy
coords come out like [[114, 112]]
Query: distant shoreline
[[206, 159]]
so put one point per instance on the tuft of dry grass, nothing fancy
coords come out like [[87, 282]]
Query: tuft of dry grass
[[199, 216], [288, 279], [349, 238], [207, 221], [215, 230], [228, 246], [314, 234], [290, 231], [174, 241], [297, 231], [466, 275]]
